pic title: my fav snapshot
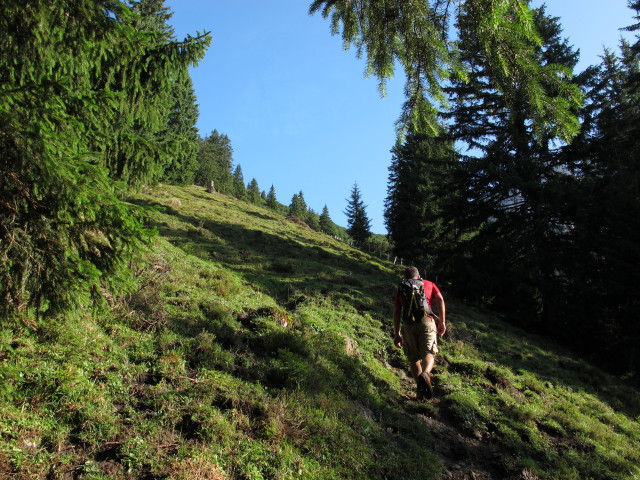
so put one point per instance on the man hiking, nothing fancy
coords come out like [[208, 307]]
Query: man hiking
[[416, 328]]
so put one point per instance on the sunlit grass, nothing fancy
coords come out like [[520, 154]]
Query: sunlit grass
[[256, 348]]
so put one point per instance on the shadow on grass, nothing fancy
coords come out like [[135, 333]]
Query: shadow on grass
[[277, 264], [250, 346], [337, 392], [288, 266], [523, 352]]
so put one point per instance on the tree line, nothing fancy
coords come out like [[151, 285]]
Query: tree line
[[215, 164], [513, 217], [216, 167]]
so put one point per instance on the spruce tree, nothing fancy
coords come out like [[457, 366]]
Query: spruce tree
[[416, 35], [253, 192], [418, 189], [325, 223], [142, 142], [215, 162], [601, 268], [81, 100], [182, 134], [272, 202], [512, 182], [312, 219], [239, 190], [298, 206], [358, 224]]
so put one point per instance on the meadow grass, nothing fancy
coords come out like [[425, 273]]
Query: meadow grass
[[256, 348]]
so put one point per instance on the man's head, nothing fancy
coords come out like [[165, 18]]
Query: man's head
[[411, 272]]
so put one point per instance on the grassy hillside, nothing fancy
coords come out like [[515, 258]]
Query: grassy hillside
[[255, 348]]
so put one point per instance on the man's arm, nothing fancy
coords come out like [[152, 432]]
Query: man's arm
[[441, 310]]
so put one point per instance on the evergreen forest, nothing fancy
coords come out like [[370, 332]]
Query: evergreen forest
[[163, 317], [518, 220]]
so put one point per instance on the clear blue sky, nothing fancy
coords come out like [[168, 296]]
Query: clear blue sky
[[297, 108]]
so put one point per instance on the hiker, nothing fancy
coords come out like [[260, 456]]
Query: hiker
[[419, 332]]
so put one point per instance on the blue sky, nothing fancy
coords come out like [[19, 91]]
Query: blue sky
[[298, 109]]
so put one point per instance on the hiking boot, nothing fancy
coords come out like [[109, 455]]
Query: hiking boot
[[423, 387], [425, 379]]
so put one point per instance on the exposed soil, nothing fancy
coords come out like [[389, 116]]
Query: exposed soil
[[464, 454]]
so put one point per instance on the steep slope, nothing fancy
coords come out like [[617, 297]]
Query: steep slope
[[253, 347]]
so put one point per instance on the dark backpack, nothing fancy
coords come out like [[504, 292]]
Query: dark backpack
[[415, 305]]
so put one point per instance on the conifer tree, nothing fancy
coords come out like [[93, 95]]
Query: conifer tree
[[176, 133], [183, 134], [298, 206], [418, 189], [271, 200], [312, 219], [253, 192], [358, 224], [325, 223], [302, 204], [215, 162], [603, 206], [416, 35], [239, 190], [148, 136], [79, 78], [513, 188]]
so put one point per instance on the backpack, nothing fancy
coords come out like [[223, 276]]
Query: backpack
[[415, 305]]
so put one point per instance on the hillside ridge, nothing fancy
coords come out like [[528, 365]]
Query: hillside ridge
[[253, 347]]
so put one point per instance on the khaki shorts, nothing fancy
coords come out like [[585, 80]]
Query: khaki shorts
[[419, 339]]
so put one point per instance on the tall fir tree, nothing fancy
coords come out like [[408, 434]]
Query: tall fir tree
[[215, 162], [239, 190], [325, 223], [253, 192], [312, 219], [513, 185], [79, 77], [183, 134], [358, 223], [147, 135], [298, 206], [271, 199], [604, 253], [418, 189]]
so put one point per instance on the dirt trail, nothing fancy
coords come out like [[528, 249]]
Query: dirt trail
[[465, 455]]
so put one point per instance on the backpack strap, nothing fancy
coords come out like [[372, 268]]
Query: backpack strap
[[411, 302]]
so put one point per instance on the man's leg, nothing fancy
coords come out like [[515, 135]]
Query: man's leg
[[423, 365], [419, 342], [421, 371], [416, 369], [427, 363]]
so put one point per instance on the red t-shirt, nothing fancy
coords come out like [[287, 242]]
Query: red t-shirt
[[429, 289]]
